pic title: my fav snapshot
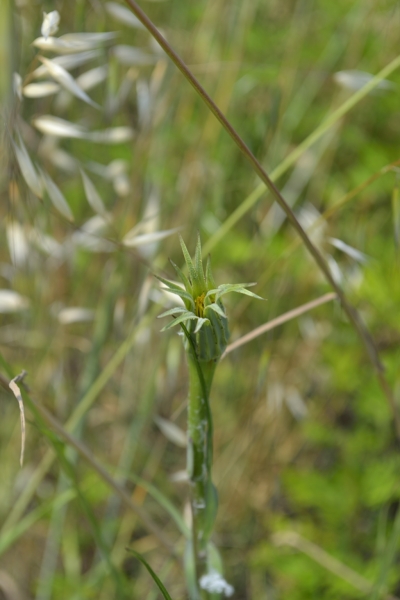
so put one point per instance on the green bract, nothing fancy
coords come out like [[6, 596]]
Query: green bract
[[203, 316]]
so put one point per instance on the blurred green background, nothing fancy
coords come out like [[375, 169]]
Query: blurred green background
[[307, 463]]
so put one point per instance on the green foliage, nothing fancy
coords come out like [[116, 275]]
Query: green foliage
[[304, 440], [156, 579]]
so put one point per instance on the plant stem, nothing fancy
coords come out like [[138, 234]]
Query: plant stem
[[199, 460]]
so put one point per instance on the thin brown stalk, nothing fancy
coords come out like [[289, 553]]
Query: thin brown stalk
[[85, 453], [287, 316], [78, 413], [351, 312]]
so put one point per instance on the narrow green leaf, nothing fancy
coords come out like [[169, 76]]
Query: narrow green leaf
[[172, 311], [200, 324], [235, 287], [387, 560], [198, 263], [156, 580], [188, 316], [176, 289], [182, 276], [216, 308], [210, 283], [184, 295], [188, 260], [212, 292], [170, 284], [240, 291]]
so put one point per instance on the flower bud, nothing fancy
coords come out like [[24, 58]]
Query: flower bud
[[203, 317]]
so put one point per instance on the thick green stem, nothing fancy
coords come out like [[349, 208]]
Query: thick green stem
[[199, 461]]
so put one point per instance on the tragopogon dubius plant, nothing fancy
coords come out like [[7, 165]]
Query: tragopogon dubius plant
[[205, 328]]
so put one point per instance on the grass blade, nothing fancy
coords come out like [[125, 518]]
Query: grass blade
[[156, 580], [164, 502], [388, 559]]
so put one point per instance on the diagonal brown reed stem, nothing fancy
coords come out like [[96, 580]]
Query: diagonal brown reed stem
[[85, 453], [351, 312], [287, 316]]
